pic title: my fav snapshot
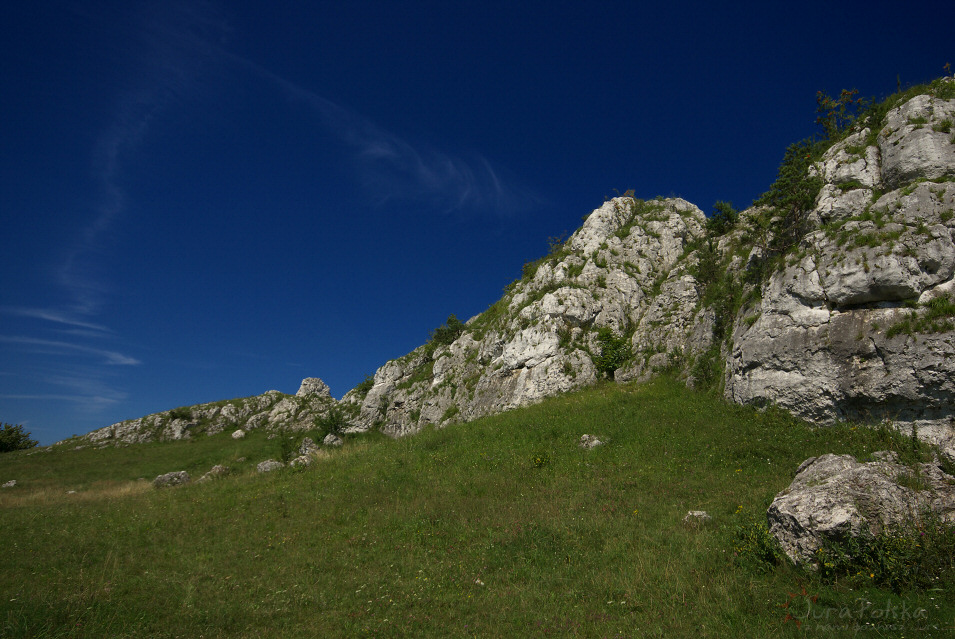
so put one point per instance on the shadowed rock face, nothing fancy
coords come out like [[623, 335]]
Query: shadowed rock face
[[821, 339]]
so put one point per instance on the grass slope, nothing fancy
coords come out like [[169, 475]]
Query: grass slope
[[498, 528]]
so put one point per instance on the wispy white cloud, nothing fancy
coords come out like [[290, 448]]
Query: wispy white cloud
[[88, 402], [173, 43], [58, 317], [47, 346], [392, 168]]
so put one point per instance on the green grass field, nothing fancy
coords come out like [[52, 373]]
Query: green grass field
[[503, 527]]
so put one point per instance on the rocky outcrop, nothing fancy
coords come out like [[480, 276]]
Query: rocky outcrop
[[624, 269], [834, 497], [855, 320], [313, 386], [847, 329], [271, 411]]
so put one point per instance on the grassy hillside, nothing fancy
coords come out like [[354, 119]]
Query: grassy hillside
[[499, 528]]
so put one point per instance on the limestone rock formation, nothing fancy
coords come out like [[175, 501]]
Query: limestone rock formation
[[835, 496], [696, 518], [624, 269], [272, 411], [590, 441], [847, 329], [313, 386], [853, 320], [332, 440]]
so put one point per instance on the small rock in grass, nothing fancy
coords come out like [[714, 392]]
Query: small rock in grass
[[269, 465], [332, 439], [172, 479], [696, 518], [217, 471]]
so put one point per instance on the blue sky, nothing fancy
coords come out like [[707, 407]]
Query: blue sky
[[207, 200]]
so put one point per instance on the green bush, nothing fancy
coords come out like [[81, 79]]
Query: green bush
[[333, 422], [450, 331], [792, 196], [15, 438], [916, 557], [755, 547], [614, 352], [288, 445], [363, 388], [723, 220]]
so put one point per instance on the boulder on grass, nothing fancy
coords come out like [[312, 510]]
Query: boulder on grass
[[172, 479], [269, 465], [834, 497]]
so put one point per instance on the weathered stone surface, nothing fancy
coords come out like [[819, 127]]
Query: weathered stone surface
[[332, 439], [271, 410], [834, 497], [696, 518], [10, 484], [910, 145], [216, 472], [302, 461], [167, 480], [269, 465], [540, 342], [307, 446], [589, 441], [313, 386], [822, 344]]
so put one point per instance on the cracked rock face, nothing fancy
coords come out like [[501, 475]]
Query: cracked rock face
[[834, 497], [827, 342]]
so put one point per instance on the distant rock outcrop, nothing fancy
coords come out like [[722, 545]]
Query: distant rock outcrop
[[834, 497], [272, 411]]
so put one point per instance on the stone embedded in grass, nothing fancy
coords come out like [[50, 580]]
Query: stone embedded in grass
[[10, 484], [332, 439], [172, 479], [697, 518], [590, 441], [308, 446], [239, 434], [217, 471], [301, 460], [269, 465]]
